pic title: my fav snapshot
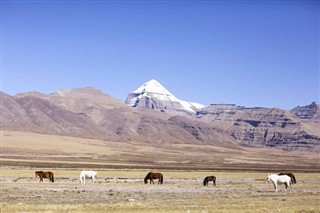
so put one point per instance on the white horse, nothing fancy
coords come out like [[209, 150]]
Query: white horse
[[279, 179], [88, 174]]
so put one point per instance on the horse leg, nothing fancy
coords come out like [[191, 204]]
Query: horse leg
[[288, 185], [83, 180], [275, 187]]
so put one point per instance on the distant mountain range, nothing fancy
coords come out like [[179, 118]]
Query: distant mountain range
[[151, 114]]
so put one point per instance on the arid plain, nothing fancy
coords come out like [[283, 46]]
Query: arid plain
[[52, 151], [241, 177]]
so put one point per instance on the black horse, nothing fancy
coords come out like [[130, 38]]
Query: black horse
[[209, 178]]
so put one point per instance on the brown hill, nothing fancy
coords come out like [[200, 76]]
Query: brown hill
[[257, 127], [88, 113], [39, 115]]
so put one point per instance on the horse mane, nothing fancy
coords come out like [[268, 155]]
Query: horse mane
[[148, 175]]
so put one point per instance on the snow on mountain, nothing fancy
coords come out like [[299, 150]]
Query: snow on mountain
[[155, 96]]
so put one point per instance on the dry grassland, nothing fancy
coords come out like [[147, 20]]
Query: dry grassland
[[38, 150], [182, 191]]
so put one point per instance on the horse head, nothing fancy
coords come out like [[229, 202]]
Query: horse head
[[148, 176], [269, 177], [37, 173]]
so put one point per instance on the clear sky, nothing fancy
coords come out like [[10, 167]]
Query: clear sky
[[250, 53]]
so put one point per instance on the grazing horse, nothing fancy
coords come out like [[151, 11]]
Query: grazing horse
[[150, 176], [42, 174], [279, 179], [88, 174], [293, 178], [209, 178]]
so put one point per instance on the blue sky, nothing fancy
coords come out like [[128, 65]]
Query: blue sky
[[250, 53]]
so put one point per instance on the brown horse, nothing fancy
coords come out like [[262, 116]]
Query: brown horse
[[293, 178], [209, 178], [150, 176], [42, 174]]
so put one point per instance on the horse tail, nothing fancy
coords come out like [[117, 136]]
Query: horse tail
[[293, 179], [52, 178], [161, 179]]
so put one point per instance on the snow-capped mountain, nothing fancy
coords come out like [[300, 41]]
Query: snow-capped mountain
[[155, 96]]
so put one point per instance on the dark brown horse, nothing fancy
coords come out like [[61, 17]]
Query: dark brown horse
[[293, 178], [42, 174], [150, 176], [209, 178]]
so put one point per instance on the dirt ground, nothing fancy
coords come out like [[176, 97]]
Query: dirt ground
[[181, 192]]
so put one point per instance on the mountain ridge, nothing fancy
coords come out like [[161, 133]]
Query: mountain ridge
[[77, 114], [89, 113]]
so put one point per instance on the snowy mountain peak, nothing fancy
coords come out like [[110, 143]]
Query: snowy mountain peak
[[154, 89], [153, 86], [155, 96]]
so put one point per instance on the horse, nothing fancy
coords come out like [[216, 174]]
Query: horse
[[209, 178], [42, 174], [88, 174], [150, 176], [279, 179], [293, 178]]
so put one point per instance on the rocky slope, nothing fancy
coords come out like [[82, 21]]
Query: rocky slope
[[258, 127], [308, 112]]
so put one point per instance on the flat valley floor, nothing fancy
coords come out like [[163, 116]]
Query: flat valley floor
[[182, 191]]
